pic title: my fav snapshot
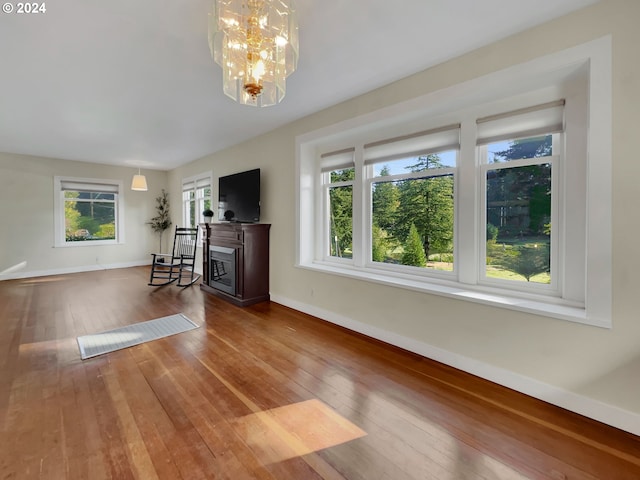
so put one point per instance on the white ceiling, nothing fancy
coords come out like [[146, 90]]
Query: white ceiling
[[131, 82]]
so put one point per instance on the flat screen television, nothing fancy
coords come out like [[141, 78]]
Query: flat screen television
[[239, 197]]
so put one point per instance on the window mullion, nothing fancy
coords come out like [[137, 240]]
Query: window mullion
[[468, 194], [323, 215], [557, 272], [361, 214], [326, 221]]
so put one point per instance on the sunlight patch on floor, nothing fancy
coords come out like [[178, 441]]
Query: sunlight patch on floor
[[295, 430], [45, 346]]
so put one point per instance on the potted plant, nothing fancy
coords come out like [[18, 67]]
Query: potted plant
[[161, 221], [208, 215]]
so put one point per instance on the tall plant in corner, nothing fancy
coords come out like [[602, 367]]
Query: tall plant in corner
[[161, 221]]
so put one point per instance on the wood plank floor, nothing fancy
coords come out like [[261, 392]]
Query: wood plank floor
[[263, 392]]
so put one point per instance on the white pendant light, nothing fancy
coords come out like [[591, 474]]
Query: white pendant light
[[139, 182]]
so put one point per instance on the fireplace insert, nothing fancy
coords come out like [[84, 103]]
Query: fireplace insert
[[222, 269]]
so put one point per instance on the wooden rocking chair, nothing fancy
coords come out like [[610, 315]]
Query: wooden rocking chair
[[166, 268]]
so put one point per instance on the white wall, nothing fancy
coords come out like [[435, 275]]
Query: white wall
[[590, 370], [27, 218]]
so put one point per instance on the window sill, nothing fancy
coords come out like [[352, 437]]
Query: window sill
[[534, 304], [87, 243]]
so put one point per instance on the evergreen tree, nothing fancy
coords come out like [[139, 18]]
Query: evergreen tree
[[379, 244], [524, 191], [385, 202], [428, 204], [526, 148], [413, 250], [341, 212], [522, 196]]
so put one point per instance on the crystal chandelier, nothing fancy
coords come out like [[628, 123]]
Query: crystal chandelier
[[256, 44]]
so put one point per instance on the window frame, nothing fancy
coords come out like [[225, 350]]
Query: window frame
[[199, 182], [327, 186], [335, 160], [588, 300], [59, 203], [362, 237], [370, 179], [557, 176]]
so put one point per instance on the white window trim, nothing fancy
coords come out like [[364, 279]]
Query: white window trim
[[595, 58], [59, 219], [207, 176]]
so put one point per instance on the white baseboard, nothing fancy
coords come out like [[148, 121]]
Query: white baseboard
[[16, 274], [597, 410]]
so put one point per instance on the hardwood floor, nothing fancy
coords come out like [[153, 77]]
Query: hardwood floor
[[263, 392]]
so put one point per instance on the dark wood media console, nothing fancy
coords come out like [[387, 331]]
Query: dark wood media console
[[235, 261]]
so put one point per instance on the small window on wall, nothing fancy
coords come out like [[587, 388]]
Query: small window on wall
[[88, 211], [196, 198]]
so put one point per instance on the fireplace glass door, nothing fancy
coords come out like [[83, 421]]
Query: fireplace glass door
[[222, 269]]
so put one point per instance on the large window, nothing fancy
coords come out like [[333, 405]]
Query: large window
[[471, 194], [409, 193], [410, 183], [196, 198], [88, 211]]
